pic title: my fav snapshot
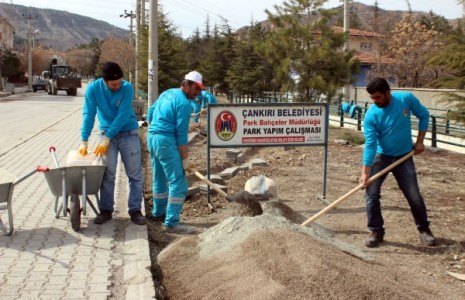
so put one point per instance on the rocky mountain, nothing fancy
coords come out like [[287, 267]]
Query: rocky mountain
[[57, 29]]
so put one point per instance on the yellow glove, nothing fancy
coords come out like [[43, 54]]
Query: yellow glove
[[83, 148], [102, 147], [187, 164], [203, 112]]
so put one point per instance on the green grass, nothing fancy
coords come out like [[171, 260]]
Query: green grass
[[352, 137]]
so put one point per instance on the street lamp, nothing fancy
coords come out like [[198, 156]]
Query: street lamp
[[132, 16], [34, 38]]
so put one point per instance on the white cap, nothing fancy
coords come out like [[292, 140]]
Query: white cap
[[195, 77]]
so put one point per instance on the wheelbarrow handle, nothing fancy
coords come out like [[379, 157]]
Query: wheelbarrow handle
[[42, 169], [38, 169], [52, 150]]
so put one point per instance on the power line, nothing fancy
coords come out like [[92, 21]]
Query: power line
[[223, 13], [204, 12]]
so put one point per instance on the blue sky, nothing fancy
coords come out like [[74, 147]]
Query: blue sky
[[187, 15]]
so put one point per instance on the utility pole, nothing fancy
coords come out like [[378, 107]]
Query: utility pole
[[153, 53], [346, 91], [136, 80], [130, 15], [143, 12], [29, 50]]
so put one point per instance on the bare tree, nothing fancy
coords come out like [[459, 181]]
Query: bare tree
[[119, 51], [407, 49], [41, 59], [81, 59]]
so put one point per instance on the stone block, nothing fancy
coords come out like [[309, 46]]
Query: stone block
[[240, 159], [192, 191], [216, 178], [258, 162], [204, 189], [229, 172]]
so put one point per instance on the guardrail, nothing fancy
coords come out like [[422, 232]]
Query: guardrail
[[442, 131]]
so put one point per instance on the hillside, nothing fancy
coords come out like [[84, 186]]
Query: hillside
[[57, 29], [361, 16]]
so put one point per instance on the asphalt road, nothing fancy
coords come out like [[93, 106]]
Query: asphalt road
[[25, 114]]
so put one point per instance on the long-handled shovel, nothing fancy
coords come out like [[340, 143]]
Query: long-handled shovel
[[240, 196], [210, 183], [360, 186]]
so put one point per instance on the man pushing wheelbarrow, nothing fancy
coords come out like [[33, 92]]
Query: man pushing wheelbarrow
[[111, 99]]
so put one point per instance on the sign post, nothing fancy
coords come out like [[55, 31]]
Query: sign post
[[269, 125]]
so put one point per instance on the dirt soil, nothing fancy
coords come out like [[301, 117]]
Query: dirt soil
[[276, 257]]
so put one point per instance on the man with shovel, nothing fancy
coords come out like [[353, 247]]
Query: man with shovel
[[167, 141], [388, 137]]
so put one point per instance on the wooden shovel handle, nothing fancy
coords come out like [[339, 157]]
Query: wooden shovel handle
[[211, 184], [360, 186]]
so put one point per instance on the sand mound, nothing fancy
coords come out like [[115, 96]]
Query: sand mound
[[268, 257]]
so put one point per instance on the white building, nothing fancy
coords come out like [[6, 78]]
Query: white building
[[7, 32]]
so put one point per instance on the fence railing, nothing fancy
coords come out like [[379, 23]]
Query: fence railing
[[441, 130], [266, 97]]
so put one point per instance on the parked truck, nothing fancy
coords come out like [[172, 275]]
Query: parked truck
[[62, 78]]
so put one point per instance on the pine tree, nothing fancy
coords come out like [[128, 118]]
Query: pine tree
[[196, 46], [171, 55], [218, 57], [306, 51], [450, 59], [250, 74]]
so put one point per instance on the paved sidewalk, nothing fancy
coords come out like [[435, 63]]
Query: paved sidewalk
[[45, 258]]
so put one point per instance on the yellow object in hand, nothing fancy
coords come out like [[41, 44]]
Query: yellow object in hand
[[83, 148], [102, 147]]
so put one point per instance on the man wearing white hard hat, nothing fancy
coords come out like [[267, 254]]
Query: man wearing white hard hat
[[169, 120]]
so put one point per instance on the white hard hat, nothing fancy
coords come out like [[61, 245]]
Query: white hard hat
[[195, 77]]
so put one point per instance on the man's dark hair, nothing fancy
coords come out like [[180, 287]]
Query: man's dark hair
[[378, 84], [111, 71], [188, 82]]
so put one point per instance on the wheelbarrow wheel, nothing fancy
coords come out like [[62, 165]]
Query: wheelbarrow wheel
[[75, 212]]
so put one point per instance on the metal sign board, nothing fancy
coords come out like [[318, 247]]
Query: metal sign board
[[280, 124]]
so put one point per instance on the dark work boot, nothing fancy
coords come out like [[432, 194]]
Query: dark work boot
[[103, 216], [427, 238], [180, 229], [374, 239], [138, 218], [159, 218]]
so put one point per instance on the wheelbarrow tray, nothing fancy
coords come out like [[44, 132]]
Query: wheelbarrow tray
[[74, 180], [6, 184], [6, 191]]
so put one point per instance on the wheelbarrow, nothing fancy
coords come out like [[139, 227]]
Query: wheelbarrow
[[7, 184], [70, 183]]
